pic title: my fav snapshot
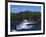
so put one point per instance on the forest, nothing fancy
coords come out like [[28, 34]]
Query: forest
[[29, 15]]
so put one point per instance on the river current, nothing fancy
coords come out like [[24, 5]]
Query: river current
[[25, 25]]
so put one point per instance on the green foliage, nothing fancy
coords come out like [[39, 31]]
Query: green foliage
[[26, 15]]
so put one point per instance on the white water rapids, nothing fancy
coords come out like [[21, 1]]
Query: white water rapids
[[24, 25]]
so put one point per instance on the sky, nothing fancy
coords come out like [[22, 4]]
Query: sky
[[18, 8]]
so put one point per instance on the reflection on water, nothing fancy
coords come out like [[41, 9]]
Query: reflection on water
[[25, 25]]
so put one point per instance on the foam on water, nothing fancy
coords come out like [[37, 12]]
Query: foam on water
[[23, 25], [13, 30]]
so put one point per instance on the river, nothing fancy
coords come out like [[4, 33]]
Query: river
[[24, 25]]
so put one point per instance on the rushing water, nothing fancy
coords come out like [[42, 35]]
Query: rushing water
[[25, 25]]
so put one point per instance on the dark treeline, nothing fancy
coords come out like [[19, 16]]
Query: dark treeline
[[29, 15]]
